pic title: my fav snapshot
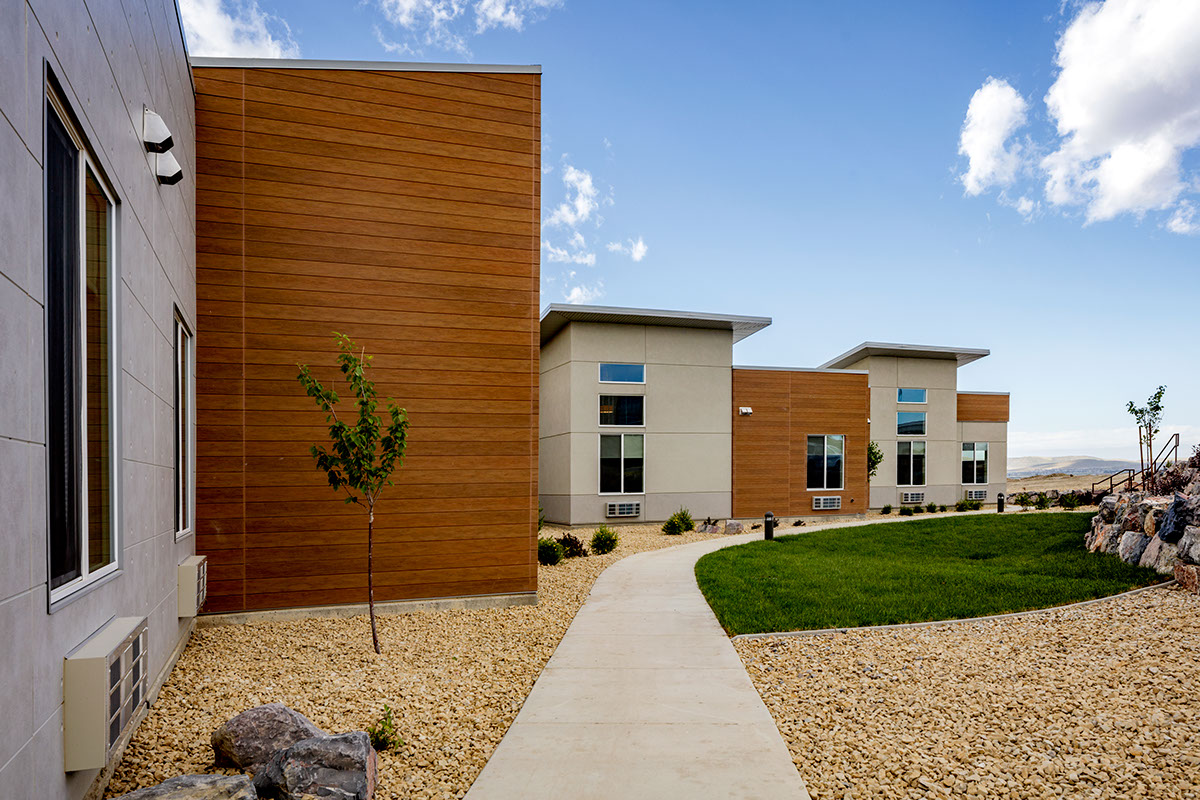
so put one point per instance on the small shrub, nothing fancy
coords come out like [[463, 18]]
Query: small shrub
[[931, 508], [1023, 499], [906, 511], [1070, 501], [886, 509], [680, 522], [550, 552], [1041, 502], [942, 509], [383, 732], [962, 505], [974, 505], [571, 545], [604, 540]]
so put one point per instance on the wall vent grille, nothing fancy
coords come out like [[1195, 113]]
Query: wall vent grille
[[912, 497], [104, 687], [192, 589], [826, 503], [977, 494], [624, 510]]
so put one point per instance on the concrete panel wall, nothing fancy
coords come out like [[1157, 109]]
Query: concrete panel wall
[[109, 61]]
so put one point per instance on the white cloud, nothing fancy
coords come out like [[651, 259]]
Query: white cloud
[[581, 199], [584, 294], [995, 113], [443, 23], [563, 256], [1184, 220], [635, 249], [1120, 442], [1025, 207], [237, 29]]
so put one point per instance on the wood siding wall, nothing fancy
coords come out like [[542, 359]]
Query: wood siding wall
[[982, 407], [770, 446], [402, 209]]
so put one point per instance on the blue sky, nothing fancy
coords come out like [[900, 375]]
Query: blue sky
[[808, 162]]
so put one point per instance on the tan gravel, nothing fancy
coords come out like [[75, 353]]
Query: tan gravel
[[455, 680], [1097, 702]]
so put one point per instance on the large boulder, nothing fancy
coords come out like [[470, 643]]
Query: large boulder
[[1159, 555], [733, 526], [1174, 520], [250, 739], [338, 767], [1188, 577], [198, 787], [1132, 545], [1188, 547], [1109, 539], [1108, 509], [707, 527]]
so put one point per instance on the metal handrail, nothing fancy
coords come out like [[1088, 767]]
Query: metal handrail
[[1112, 484], [1172, 445]]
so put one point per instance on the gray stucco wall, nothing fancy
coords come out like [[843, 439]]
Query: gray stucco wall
[[109, 60]]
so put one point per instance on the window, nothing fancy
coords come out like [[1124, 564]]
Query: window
[[622, 373], [825, 456], [910, 463], [622, 409], [82, 489], [910, 395], [622, 463], [184, 418], [910, 423], [974, 462]]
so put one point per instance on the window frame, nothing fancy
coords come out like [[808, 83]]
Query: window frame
[[185, 428], [925, 465], [924, 423], [599, 476], [986, 466], [600, 405], [925, 394], [600, 373], [87, 166], [825, 437]]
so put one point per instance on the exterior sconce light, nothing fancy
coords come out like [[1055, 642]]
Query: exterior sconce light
[[168, 170], [745, 411], [155, 133]]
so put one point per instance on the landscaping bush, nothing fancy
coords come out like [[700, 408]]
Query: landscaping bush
[[962, 505], [572, 547], [886, 509], [906, 511], [1070, 501], [1041, 502], [942, 509], [931, 508], [974, 505], [1023, 499], [918, 509], [680, 522], [604, 540], [550, 552], [383, 732]]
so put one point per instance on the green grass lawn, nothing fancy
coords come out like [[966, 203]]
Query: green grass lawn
[[930, 569]]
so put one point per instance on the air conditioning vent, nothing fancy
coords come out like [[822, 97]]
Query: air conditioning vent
[[977, 494], [827, 503], [104, 686], [912, 497], [193, 585], [624, 510]]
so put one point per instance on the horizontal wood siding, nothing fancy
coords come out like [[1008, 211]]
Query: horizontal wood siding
[[982, 407], [770, 446], [400, 208]]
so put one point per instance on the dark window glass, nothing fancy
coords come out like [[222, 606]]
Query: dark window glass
[[825, 457], [910, 423], [918, 463], [904, 463], [622, 409], [99, 469], [816, 462], [64, 437], [974, 462], [910, 395], [623, 373], [634, 463], [834, 445], [183, 417], [981, 462], [610, 464]]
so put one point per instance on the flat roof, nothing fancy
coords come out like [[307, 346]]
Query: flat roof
[[376, 66], [963, 355], [803, 369], [556, 316]]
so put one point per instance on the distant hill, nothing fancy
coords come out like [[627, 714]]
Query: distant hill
[[1071, 465]]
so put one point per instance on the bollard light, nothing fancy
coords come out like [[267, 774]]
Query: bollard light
[[999, 502], [769, 526]]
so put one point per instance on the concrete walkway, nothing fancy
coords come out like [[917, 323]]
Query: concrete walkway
[[645, 697]]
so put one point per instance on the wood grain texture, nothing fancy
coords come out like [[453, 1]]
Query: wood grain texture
[[403, 209], [982, 407], [770, 446]]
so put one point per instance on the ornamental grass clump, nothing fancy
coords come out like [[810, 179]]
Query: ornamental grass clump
[[604, 540], [680, 522], [550, 552]]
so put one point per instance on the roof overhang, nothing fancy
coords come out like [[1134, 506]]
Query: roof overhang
[[371, 66], [962, 355], [557, 316]]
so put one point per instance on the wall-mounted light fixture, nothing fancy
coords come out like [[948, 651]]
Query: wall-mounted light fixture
[[168, 169], [745, 411], [157, 138]]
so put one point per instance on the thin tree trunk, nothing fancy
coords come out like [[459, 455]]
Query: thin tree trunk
[[371, 577]]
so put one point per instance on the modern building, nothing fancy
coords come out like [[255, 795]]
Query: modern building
[[643, 411]]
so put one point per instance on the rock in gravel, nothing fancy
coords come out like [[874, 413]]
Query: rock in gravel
[[250, 739], [341, 767], [705, 527], [733, 526], [198, 787], [1188, 577], [1133, 544]]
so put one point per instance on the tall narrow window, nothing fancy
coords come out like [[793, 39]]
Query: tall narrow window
[[622, 464], [81, 492], [825, 461], [910, 463], [184, 415], [974, 462]]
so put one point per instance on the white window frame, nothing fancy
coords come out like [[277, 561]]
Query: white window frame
[[600, 366], [621, 493], [910, 469], [825, 463], [87, 164], [600, 401], [185, 426], [899, 389], [925, 426], [987, 467]]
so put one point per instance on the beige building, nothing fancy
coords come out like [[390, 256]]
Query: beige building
[[635, 417], [940, 445]]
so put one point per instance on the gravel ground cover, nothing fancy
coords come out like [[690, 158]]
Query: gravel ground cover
[[454, 679], [1096, 702]]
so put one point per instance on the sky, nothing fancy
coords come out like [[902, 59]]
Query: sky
[[1020, 176]]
